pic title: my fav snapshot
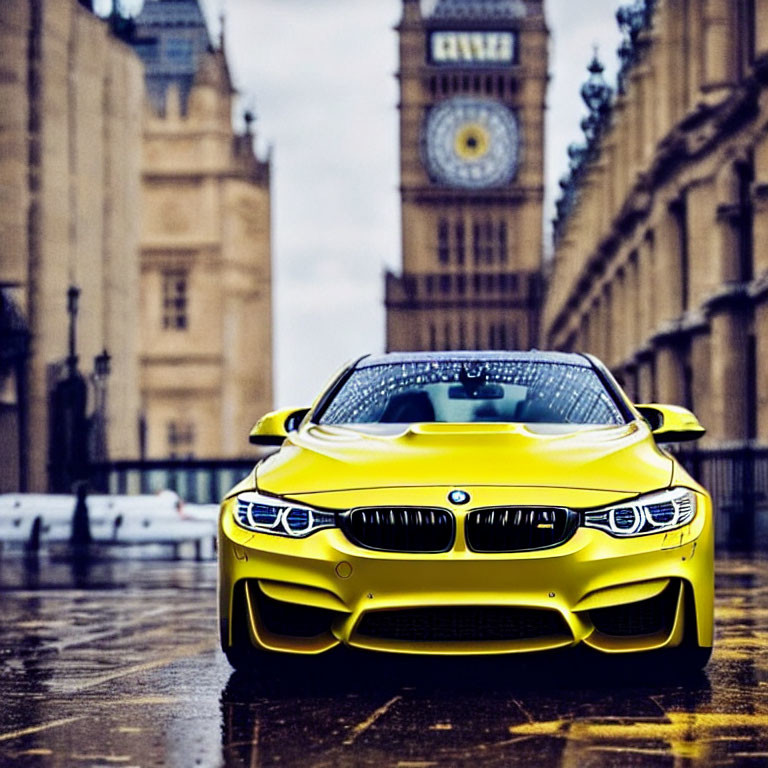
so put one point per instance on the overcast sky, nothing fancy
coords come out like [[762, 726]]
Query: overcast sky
[[319, 74]]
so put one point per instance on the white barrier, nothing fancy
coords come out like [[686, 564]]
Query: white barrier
[[35, 520]]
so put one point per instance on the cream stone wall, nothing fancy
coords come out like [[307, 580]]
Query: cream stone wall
[[661, 268], [205, 212], [70, 133]]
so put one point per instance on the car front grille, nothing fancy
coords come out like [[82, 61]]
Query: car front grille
[[462, 623], [646, 617], [517, 529], [401, 529]]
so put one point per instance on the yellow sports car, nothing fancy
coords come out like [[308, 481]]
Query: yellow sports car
[[469, 503]]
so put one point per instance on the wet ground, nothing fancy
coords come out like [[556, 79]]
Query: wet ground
[[119, 667]]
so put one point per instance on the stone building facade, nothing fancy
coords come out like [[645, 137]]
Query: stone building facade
[[121, 174], [473, 77], [206, 314], [661, 264], [71, 101]]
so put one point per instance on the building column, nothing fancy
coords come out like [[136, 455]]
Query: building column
[[700, 368], [670, 371], [646, 384], [726, 231], [719, 59], [728, 370], [668, 273], [761, 27], [761, 364], [760, 201], [646, 296]]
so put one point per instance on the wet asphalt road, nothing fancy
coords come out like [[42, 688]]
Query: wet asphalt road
[[120, 667]]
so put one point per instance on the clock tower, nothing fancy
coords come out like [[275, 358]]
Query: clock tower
[[473, 79]]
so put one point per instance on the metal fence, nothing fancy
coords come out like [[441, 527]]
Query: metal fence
[[737, 478], [198, 481]]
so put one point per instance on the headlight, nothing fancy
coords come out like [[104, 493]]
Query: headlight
[[652, 513], [267, 514]]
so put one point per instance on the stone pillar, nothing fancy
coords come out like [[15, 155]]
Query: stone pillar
[[670, 371], [646, 385], [761, 339], [760, 200], [668, 279], [761, 27], [727, 234], [662, 54], [719, 56], [700, 365], [619, 322], [646, 292], [609, 328], [631, 306], [728, 371]]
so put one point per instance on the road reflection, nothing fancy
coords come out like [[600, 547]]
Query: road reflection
[[359, 710], [563, 709], [119, 665]]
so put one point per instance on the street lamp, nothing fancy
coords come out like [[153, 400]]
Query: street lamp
[[101, 371], [101, 364], [73, 296]]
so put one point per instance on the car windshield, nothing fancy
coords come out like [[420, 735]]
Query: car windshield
[[467, 391]]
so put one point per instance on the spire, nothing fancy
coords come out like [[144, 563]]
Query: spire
[[598, 97]]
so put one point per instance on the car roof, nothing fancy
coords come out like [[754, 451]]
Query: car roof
[[533, 355]]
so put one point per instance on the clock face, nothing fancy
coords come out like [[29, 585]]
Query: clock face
[[471, 143]]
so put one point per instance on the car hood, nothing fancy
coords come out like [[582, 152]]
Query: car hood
[[319, 458]]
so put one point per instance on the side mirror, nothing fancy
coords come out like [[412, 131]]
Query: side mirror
[[273, 428], [671, 423]]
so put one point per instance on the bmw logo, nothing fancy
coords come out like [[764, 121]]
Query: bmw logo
[[458, 497]]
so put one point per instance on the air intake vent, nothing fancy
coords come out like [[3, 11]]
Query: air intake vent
[[646, 617], [518, 529], [463, 624], [401, 529]]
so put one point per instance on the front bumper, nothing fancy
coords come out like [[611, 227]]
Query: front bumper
[[309, 595]]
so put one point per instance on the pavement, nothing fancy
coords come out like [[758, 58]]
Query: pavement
[[118, 665]]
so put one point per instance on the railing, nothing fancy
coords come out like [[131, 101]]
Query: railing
[[195, 480], [737, 478]]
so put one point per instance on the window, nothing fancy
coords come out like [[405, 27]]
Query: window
[[503, 252], [460, 245], [181, 439], [179, 50], [488, 242], [146, 48], [175, 300], [443, 246]]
